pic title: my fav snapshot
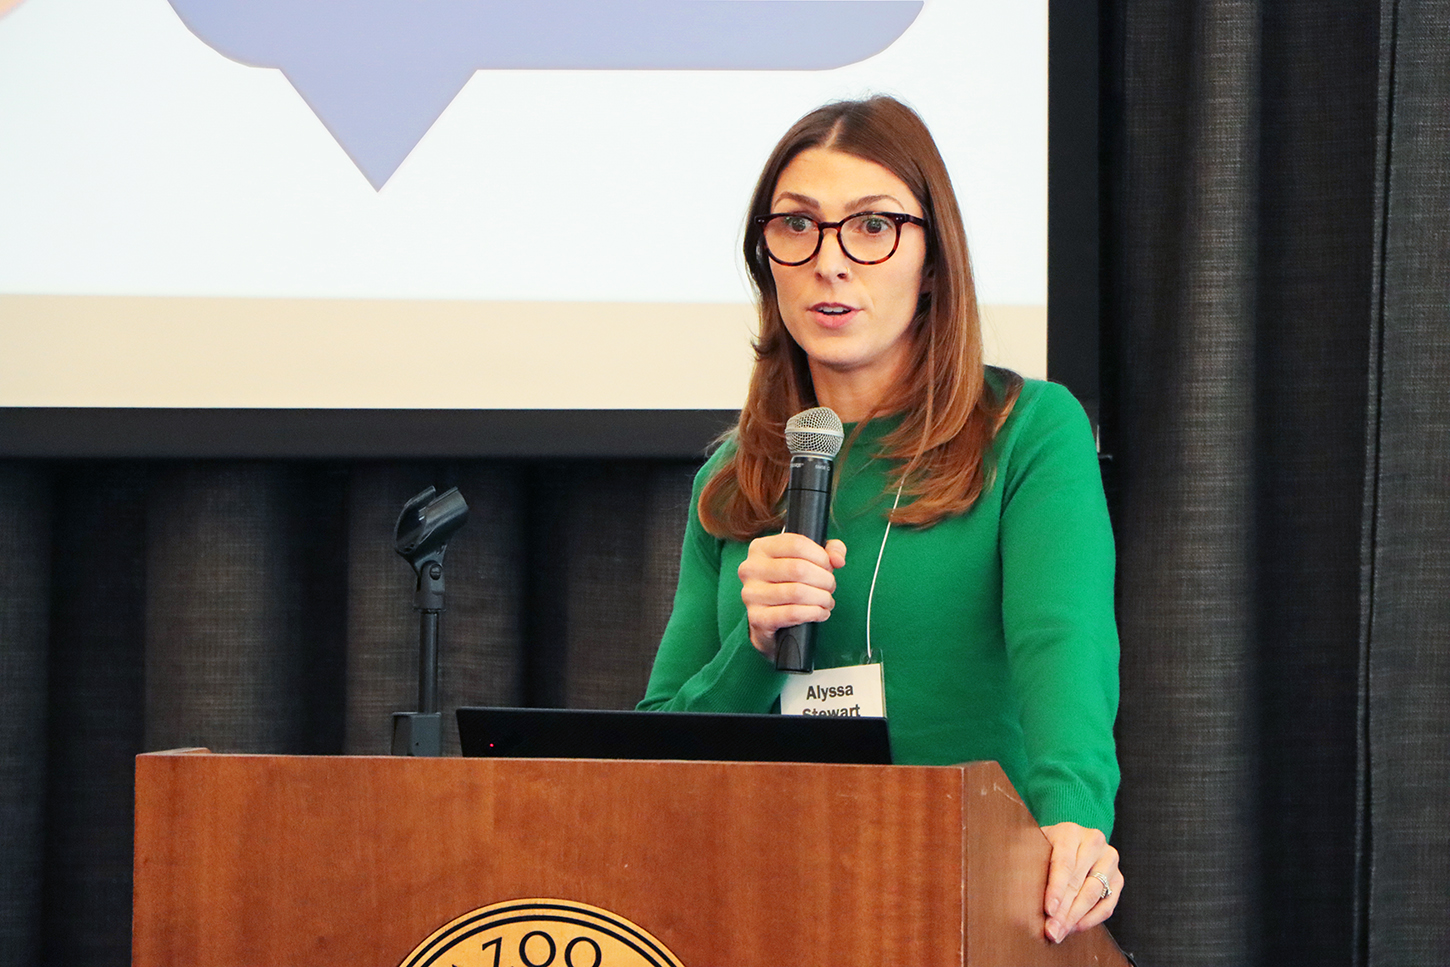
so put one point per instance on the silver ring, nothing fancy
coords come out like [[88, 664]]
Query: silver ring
[[1103, 879]]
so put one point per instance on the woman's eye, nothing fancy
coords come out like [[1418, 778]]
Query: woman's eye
[[873, 225], [798, 224]]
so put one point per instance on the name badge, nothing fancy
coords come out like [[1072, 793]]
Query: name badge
[[853, 690]]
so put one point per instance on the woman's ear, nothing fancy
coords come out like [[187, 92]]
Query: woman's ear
[[928, 275], [928, 285]]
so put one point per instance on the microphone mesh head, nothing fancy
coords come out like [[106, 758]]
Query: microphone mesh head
[[816, 432]]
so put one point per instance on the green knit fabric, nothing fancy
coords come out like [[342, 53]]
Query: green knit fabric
[[995, 628]]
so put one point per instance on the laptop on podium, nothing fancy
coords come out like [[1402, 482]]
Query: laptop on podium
[[552, 733]]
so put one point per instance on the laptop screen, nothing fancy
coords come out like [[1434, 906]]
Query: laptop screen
[[546, 733]]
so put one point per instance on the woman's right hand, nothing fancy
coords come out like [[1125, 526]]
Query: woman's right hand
[[787, 580]]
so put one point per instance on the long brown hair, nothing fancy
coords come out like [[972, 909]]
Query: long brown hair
[[949, 413]]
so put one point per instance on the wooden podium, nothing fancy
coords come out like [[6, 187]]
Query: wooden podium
[[283, 861]]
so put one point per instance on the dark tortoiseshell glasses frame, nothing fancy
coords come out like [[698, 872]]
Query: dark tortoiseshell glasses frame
[[897, 219]]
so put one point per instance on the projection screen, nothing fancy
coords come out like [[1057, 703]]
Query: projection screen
[[458, 204]]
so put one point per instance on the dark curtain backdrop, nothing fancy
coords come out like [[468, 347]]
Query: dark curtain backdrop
[[1277, 352], [259, 607], [1277, 416]]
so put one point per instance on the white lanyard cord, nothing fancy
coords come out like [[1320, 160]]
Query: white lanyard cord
[[871, 594]]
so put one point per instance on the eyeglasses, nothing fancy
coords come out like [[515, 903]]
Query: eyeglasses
[[866, 237]]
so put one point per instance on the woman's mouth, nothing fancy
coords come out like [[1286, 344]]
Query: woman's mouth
[[832, 313]]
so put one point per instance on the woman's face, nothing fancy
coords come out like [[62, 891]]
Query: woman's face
[[852, 320]]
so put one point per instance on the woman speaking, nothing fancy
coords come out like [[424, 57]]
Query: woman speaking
[[979, 593]]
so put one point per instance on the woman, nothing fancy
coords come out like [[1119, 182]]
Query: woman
[[975, 495]]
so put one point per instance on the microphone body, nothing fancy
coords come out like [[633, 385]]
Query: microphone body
[[807, 505], [814, 437]]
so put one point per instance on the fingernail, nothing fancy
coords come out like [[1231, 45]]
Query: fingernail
[[1055, 931]]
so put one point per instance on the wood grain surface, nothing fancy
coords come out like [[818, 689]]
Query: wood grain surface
[[296, 861]]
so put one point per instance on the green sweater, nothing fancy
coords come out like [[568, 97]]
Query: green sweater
[[995, 628]]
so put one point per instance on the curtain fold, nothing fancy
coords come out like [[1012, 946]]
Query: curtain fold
[[25, 502], [1408, 587], [96, 705], [1184, 449], [242, 618], [606, 559], [1315, 275], [1243, 217]]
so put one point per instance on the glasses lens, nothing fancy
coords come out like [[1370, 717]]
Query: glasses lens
[[791, 238], [869, 238]]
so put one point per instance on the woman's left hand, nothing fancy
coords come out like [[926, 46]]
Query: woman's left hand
[[1075, 896]]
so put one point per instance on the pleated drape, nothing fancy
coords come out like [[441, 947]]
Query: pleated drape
[[1407, 628], [1186, 527], [243, 630], [251, 606], [25, 503], [1277, 346], [96, 694], [602, 528]]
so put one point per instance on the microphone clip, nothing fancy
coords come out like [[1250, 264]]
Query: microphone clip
[[421, 538]]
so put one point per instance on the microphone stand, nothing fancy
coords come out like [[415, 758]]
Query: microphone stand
[[422, 534]]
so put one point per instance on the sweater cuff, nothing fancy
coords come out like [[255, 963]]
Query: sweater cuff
[[739, 678], [1060, 805]]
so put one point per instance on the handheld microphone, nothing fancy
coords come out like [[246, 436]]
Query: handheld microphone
[[813, 437]]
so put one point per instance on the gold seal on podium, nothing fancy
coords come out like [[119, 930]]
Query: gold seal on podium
[[540, 933]]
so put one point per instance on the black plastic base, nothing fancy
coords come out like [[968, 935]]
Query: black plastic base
[[417, 733]]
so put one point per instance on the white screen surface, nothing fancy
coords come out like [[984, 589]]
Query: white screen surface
[[179, 229]]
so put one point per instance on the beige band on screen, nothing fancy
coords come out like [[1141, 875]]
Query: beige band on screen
[[133, 351]]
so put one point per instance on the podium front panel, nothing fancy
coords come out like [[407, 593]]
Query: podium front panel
[[293, 861]]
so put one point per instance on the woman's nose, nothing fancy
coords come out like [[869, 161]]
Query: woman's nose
[[831, 259]]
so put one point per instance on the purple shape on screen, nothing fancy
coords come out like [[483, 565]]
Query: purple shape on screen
[[378, 73]]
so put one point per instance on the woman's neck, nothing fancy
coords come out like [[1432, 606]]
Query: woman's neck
[[854, 397]]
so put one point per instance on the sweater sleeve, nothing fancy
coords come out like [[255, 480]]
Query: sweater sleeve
[[1057, 609], [705, 661]]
